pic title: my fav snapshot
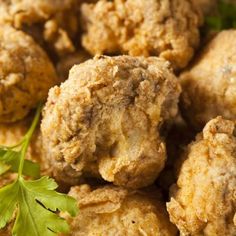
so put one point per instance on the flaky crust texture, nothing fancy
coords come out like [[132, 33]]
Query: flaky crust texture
[[209, 86], [116, 211], [53, 23], [104, 119], [204, 200], [168, 29], [26, 74]]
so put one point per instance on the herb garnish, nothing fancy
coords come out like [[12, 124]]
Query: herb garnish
[[34, 202]]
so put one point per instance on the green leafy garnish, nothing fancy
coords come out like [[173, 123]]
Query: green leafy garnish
[[34, 202], [226, 18]]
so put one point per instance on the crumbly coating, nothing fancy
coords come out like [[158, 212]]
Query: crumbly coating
[[12, 134], [168, 29], [66, 63], [104, 120], [26, 74], [53, 23], [203, 201], [116, 211], [209, 85]]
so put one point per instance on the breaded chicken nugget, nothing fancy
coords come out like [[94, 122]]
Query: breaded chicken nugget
[[204, 200], [26, 74], [209, 85], [116, 211], [105, 119], [168, 29], [53, 23]]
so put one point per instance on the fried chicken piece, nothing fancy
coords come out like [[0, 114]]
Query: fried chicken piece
[[26, 74], [53, 23], [116, 211], [209, 85], [203, 201], [168, 29], [66, 63], [105, 119]]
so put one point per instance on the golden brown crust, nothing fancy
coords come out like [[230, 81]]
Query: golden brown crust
[[26, 74], [203, 201], [109, 112], [209, 86], [53, 23], [116, 211], [168, 29]]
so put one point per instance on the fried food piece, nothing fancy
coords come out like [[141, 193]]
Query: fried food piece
[[105, 119], [52, 22], [168, 29], [26, 74], [116, 211], [209, 86], [203, 201], [12, 134], [66, 63]]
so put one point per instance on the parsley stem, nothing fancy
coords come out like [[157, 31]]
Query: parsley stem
[[27, 138]]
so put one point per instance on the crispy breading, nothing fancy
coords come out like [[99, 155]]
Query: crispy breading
[[203, 200], [168, 29], [209, 85], [26, 74], [53, 23], [116, 211], [104, 120]]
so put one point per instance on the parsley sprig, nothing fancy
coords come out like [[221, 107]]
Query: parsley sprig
[[225, 19], [35, 203]]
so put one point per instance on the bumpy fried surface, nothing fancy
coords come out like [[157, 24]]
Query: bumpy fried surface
[[26, 74], [203, 201], [209, 86], [116, 211], [168, 29], [51, 22], [105, 119], [12, 134], [66, 63]]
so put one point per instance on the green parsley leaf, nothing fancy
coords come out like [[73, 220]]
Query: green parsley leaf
[[225, 19], [36, 203], [10, 160]]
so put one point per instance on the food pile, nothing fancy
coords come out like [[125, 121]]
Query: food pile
[[134, 131]]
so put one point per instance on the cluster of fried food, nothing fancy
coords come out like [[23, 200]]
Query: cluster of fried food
[[118, 133]]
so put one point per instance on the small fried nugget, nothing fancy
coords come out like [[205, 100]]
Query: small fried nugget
[[203, 202], [53, 23], [26, 74], [105, 119], [110, 211], [168, 29], [209, 85]]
